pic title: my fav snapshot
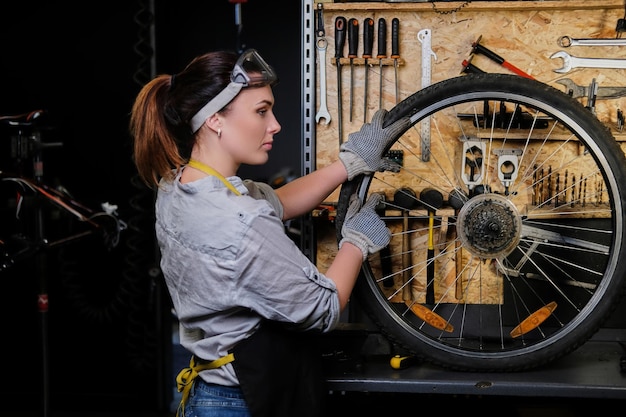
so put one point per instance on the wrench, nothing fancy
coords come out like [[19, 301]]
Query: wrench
[[322, 113], [570, 61], [566, 42], [577, 91]]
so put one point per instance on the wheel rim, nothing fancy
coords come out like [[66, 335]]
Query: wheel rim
[[535, 270]]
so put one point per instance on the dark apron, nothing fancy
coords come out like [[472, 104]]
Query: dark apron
[[280, 373]]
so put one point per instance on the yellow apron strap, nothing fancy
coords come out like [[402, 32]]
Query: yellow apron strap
[[186, 376]]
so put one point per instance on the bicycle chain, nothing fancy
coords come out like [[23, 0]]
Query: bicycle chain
[[450, 11]]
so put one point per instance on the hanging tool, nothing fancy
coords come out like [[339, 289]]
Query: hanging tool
[[456, 200], [424, 36], [469, 68], [395, 50], [382, 53], [240, 46], [508, 168], [570, 62], [620, 27], [593, 94], [368, 44], [472, 166], [433, 200], [353, 46], [405, 199], [566, 42], [480, 49], [557, 190], [321, 43], [340, 41], [577, 91]]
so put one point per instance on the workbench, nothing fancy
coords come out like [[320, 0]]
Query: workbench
[[595, 370]]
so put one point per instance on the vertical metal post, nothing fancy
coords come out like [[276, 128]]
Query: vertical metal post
[[308, 239]]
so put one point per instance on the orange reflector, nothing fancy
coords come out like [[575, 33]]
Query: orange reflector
[[431, 318], [534, 320]]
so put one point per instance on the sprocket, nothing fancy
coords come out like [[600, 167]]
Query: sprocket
[[489, 226]]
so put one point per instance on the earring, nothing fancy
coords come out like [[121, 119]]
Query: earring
[[219, 133]]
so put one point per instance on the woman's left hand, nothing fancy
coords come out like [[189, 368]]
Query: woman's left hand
[[364, 151]]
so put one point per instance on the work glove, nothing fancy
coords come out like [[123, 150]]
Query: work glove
[[364, 151], [363, 227]]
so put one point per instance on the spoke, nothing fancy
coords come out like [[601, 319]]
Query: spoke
[[523, 246]]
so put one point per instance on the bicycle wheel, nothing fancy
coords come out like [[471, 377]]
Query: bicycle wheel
[[507, 220]]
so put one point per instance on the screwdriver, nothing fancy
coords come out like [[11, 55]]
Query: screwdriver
[[353, 45], [340, 41], [382, 53], [368, 44], [395, 50]]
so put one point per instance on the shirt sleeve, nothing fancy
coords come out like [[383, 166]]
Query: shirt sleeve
[[280, 283], [260, 190]]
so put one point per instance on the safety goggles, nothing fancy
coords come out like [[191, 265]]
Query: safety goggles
[[251, 70]]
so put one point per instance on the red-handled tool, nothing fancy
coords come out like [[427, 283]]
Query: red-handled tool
[[340, 41], [382, 53], [469, 68], [368, 44], [480, 49], [353, 46]]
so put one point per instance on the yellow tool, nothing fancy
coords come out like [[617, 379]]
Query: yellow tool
[[402, 362]]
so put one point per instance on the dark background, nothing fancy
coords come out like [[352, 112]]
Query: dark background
[[107, 332]]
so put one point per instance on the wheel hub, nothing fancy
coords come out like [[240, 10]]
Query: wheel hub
[[489, 226]]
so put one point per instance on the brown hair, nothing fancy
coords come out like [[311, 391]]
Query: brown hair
[[160, 115]]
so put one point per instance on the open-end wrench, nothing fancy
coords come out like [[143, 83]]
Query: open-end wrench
[[570, 61], [322, 113], [577, 91], [321, 44]]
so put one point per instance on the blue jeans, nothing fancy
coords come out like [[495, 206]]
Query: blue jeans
[[209, 400]]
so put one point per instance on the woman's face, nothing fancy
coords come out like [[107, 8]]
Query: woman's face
[[250, 125]]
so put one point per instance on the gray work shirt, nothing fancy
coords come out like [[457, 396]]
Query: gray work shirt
[[228, 263]]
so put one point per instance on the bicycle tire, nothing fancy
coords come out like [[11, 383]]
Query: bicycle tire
[[537, 227]]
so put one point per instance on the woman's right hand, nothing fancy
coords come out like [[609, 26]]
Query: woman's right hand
[[364, 228]]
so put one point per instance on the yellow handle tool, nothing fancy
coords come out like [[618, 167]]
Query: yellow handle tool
[[402, 362]]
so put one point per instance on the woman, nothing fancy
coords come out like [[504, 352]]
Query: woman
[[246, 298]]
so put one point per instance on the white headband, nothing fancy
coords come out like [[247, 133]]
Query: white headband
[[222, 99]]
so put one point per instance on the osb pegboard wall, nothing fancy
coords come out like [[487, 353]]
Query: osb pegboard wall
[[524, 33]]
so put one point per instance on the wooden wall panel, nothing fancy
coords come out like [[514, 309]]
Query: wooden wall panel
[[524, 37], [524, 33]]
